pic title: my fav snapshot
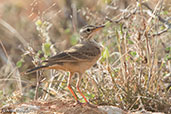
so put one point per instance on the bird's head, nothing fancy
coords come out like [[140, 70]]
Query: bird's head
[[88, 31]]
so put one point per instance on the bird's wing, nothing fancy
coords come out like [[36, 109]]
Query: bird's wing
[[77, 53]]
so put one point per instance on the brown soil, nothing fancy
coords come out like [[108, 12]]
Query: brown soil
[[49, 107]]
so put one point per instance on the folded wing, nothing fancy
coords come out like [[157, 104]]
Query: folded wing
[[78, 53]]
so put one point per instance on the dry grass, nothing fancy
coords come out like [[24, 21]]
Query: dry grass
[[129, 75]]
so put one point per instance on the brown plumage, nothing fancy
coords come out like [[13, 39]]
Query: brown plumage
[[78, 58]]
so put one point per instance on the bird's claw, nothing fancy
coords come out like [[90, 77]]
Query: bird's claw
[[91, 105]]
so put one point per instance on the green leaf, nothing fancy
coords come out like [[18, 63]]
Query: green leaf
[[67, 31], [168, 49], [121, 29], [1, 93], [90, 95], [162, 27], [39, 52], [168, 57], [165, 12], [46, 48], [105, 53], [108, 24], [38, 22], [43, 58], [74, 39], [127, 58], [107, 1], [20, 63], [133, 53], [130, 42]]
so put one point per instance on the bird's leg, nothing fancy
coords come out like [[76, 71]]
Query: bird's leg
[[77, 86], [70, 88]]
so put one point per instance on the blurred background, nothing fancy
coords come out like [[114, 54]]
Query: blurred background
[[33, 30]]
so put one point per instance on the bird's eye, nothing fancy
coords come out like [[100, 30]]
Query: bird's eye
[[88, 30]]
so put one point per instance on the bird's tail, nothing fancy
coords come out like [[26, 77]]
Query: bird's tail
[[36, 68]]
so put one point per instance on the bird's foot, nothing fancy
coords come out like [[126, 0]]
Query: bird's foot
[[91, 105], [78, 103]]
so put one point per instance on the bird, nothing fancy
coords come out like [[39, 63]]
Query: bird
[[76, 59]]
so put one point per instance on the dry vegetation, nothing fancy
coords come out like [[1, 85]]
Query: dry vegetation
[[132, 72]]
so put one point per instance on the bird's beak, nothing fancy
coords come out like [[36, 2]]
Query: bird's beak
[[98, 28]]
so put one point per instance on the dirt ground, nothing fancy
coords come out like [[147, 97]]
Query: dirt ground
[[49, 107], [63, 107]]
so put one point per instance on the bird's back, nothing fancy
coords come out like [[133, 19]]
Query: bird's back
[[81, 56]]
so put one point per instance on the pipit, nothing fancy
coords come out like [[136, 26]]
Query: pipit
[[76, 59]]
